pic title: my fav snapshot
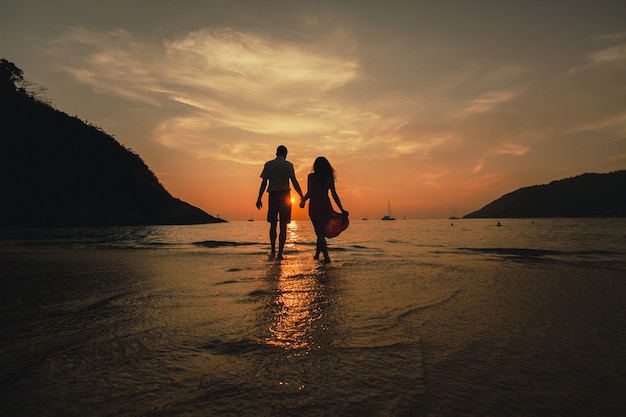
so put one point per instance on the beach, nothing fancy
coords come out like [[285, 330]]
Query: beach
[[421, 318]]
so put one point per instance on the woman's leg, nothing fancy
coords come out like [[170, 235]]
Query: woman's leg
[[319, 232], [318, 248], [323, 247]]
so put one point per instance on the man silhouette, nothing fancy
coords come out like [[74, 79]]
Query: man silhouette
[[277, 173]]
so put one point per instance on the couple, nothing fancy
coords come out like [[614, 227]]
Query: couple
[[327, 223]]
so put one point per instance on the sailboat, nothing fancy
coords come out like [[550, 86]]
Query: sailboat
[[388, 216], [453, 217]]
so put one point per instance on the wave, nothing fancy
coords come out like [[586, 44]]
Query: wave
[[429, 305], [235, 347], [221, 243], [230, 281], [539, 253]]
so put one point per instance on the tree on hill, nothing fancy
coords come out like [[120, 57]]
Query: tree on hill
[[9, 76]]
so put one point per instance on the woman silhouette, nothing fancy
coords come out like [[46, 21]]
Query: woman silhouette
[[326, 221]]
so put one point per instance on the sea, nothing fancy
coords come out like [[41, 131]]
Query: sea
[[448, 317]]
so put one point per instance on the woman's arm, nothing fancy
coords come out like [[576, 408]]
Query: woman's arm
[[333, 192], [307, 195]]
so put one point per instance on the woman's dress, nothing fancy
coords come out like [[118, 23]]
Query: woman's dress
[[325, 220]]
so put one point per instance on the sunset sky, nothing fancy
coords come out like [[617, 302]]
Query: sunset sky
[[425, 104]]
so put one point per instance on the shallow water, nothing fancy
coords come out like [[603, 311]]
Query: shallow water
[[412, 318]]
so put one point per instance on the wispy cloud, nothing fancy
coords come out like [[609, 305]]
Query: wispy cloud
[[228, 79], [488, 102], [112, 62], [611, 36], [613, 53], [511, 149]]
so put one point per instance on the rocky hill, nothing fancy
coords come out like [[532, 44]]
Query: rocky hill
[[56, 170], [587, 195]]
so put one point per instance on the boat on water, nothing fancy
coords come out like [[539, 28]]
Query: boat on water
[[388, 216], [453, 217]]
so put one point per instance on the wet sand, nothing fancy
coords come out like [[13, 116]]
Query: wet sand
[[226, 332]]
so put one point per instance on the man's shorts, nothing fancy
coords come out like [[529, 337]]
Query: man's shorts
[[279, 205]]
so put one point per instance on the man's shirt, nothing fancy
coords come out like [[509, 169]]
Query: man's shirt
[[278, 171]]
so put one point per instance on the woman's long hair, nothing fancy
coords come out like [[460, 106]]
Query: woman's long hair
[[323, 171]]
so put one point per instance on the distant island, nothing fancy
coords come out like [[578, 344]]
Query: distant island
[[56, 170], [587, 195]]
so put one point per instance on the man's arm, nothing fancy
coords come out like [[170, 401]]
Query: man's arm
[[296, 186], [259, 203]]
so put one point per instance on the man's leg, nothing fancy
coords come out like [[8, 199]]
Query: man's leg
[[273, 238], [285, 218], [282, 238]]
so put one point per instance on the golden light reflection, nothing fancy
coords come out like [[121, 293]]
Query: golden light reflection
[[296, 310], [292, 235], [299, 316]]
